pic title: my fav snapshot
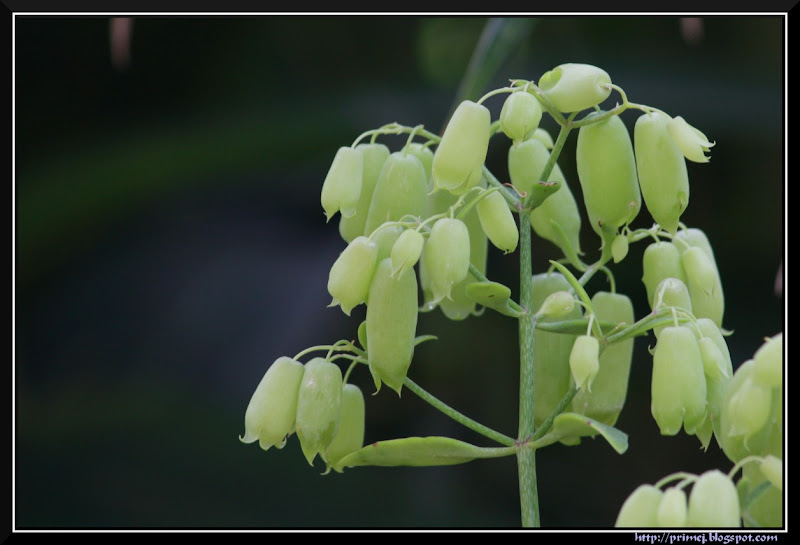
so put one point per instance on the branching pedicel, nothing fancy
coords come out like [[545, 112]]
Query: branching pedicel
[[440, 209]]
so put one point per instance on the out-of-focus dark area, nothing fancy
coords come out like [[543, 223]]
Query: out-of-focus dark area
[[170, 244]]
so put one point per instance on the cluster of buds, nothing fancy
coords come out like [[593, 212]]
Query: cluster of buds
[[312, 401]]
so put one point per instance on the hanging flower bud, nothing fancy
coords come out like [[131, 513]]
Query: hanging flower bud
[[704, 305], [401, 189], [584, 361], [342, 186], [458, 160], [458, 306], [768, 366], [391, 325], [374, 157], [610, 386], [701, 273], [351, 274], [447, 256], [574, 87], [772, 468], [406, 251], [384, 239], [350, 433], [556, 306], [520, 115], [660, 260], [734, 420], [526, 162], [692, 143], [671, 292], [619, 248], [607, 172], [319, 404], [271, 413], [713, 502], [749, 408], [498, 222], [662, 170], [425, 155], [678, 392], [551, 350], [672, 509], [640, 509]]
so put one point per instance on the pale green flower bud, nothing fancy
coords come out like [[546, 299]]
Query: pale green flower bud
[[271, 413], [673, 509], [520, 115], [692, 143], [458, 160], [768, 366], [772, 468], [350, 433], [640, 509], [406, 251], [543, 136], [498, 222], [749, 408], [660, 260], [319, 405], [619, 248], [374, 157], [584, 361], [351, 274], [557, 305], [342, 186], [713, 502], [678, 392], [573, 87], [447, 256]]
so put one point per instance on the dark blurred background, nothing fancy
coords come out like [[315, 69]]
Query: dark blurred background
[[170, 244]]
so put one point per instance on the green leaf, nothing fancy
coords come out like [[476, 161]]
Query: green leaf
[[573, 425], [492, 295], [419, 451], [541, 190]]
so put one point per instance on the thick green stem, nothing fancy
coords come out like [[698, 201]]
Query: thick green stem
[[526, 458]]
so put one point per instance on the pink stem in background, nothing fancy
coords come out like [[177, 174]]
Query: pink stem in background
[[120, 30]]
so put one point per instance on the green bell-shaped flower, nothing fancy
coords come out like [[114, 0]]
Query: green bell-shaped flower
[[556, 305], [406, 251], [584, 361], [640, 509], [607, 172], [458, 160], [319, 405], [374, 157], [660, 260], [351, 274], [520, 115], [678, 390], [401, 189], [447, 256], [350, 432], [692, 143], [271, 413], [704, 304], [391, 325], [573, 87], [768, 363], [713, 502], [673, 509], [498, 222], [662, 170], [342, 186]]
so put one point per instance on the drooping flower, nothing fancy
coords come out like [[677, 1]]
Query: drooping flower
[[692, 143]]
